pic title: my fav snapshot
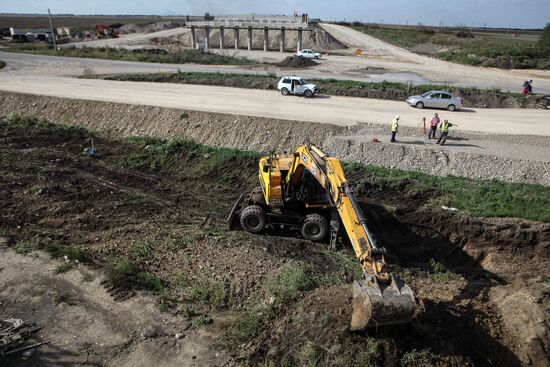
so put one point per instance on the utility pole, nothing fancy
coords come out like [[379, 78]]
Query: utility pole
[[51, 28]]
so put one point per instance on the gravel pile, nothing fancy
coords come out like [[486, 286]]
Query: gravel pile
[[296, 62]]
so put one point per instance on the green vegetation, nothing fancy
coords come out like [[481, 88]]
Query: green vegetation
[[289, 283], [545, 39], [203, 320], [60, 297], [440, 273], [313, 355], [210, 293], [142, 251], [125, 274], [57, 250], [465, 47], [142, 55], [261, 81], [421, 358], [2, 64], [487, 198], [63, 268], [158, 151], [249, 322]]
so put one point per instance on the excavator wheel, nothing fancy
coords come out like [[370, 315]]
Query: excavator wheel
[[253, 219], [315, 227]]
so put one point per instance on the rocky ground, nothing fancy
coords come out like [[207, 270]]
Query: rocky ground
[[148, 214], [516, 158]]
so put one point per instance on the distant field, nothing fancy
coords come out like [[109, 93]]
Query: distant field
[[78, 22], [496, 48]]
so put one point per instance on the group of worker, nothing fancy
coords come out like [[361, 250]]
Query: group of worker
[[435, 122]]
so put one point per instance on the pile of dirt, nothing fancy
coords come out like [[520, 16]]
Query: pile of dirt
[[296, 62], [147, 27]]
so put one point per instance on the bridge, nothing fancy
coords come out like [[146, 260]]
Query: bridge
[[267, 23]]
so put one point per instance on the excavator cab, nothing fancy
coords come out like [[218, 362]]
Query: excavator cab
[[308, 191]]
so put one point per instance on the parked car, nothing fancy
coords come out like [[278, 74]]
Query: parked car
[[309, 54], [436, 99], [296, 85]]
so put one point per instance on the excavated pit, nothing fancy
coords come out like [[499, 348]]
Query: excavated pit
[[480, 283]]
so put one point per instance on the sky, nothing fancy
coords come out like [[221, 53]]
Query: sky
[[492, 13]]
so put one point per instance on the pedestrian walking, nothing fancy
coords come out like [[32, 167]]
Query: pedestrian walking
[[394, 128], [434, 123], [444, 132]]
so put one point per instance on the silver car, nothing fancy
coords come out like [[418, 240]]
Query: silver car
[[436, 99]]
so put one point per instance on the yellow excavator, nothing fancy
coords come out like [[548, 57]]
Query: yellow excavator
[[307, 190]]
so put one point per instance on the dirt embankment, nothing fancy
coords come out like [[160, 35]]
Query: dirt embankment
[[480, 283], [263, 134], [477, 99]]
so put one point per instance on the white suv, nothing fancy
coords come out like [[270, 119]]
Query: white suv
[[296, 85], [309, 54]]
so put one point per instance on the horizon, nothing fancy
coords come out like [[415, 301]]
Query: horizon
[[521, 14]]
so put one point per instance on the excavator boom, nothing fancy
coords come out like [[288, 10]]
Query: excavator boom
[[380, 298]]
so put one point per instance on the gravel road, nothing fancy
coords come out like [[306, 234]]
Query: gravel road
[[35, 75]]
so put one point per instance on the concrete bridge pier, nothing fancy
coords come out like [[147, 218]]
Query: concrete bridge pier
[[206, 38], [249, 40], [266, 39], [299, 43], [193, 38], [282, 41], [221, 38], [236, 30]]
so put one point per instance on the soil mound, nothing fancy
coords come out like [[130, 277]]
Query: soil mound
[[296, 62]]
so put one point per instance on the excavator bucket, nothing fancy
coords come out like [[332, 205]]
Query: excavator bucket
[[377, 305]]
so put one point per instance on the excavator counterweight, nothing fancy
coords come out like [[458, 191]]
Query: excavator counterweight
[[308, 191]]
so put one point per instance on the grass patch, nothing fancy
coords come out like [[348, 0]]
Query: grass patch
[[440, 273], [142, 251], [125, 274], [2, 64], [486, 198], [469, 48], [141, 55], [63, 268], [57, 250], [41, 124], [60, 297], [329, 86], [420, 358], [289, 283], [249, 322], [203, 320], [210, 293], [313, 355]]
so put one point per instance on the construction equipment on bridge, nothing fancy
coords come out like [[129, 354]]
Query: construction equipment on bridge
[[308, 190], [103, 30]]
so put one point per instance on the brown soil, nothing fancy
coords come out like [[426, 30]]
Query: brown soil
[[296, 62], [477, 99], [176, 201]]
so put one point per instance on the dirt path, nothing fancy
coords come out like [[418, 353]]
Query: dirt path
[[381, 54], [325, 109], [85, 326], [130, 39]]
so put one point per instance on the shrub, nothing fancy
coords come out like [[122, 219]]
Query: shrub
[[289, 283]]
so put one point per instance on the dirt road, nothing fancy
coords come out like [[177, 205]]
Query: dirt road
[[324, 109], [381, 54]]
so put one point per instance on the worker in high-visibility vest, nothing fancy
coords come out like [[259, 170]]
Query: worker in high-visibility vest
[[444, 132], [394, 128]]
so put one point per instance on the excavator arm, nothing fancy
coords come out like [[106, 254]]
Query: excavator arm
[[381, 298]]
